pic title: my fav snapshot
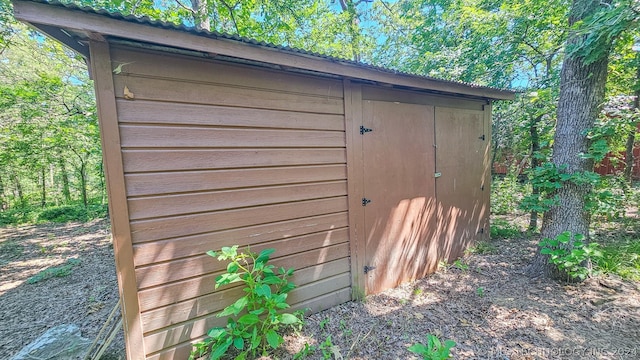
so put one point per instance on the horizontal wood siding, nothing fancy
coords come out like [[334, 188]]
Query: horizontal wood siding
[[217, 155]]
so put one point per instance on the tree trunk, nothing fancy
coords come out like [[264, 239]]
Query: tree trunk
[[43, 187], [631, 138], [201, 14], [18, 190], [581, 95], [66, 192], [3, 202], [535, 162], [83, 183]]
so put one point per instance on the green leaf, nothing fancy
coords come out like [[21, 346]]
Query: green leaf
[[418, 348], [238, 343], [249, 319], [264, 255], [212, 253], [232, 267], [289, 319], [221, 349], [215, 332], [545, 251], [273, 339], [264, 291]]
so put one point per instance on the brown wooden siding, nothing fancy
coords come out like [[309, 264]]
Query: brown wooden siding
[[216, 155]]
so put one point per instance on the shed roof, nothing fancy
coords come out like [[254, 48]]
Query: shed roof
[[75, 26]]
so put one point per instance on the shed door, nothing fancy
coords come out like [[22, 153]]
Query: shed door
[[462, 160], [399, 165]]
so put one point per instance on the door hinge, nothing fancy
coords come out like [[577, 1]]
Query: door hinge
[[364, 130], [481, 231], [482, 188], [365, 201], [368, 268], [481, 137]]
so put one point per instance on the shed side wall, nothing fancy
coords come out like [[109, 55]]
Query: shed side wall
[[217, 155]]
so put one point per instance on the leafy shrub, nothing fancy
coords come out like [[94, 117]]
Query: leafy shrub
[[506, 194], [56, 271], [574, 258], [434, 350], [261, 308], [18, 216], [66, 213], [503, 229], [621, 258]]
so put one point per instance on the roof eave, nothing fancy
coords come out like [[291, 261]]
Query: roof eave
[[60, 22]]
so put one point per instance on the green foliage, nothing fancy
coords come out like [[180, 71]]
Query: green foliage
[[622, 258], [506, 193], [480, 291], [485, 247], [434, 350], [56, 271], [570, 254], [19, 215], [66, 213], [501, 228], [254, 320]]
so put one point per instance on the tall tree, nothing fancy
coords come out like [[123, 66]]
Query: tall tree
[[582, 88]]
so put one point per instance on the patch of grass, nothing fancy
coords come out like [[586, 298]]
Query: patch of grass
[[503, 229], [621, 258], [66, 213], [56, 271], [482, 248]]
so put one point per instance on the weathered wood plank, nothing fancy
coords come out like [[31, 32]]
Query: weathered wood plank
[[172, 205], [133, 136], [157, 251], [201, 93], [158, 64], [188, 181], [176, 160], [152, 112], [173, 293], [325, 245], [158, 229]]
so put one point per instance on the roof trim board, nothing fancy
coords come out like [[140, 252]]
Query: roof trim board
[[60, 21]]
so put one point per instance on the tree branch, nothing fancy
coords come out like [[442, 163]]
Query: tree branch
[[186, 7]]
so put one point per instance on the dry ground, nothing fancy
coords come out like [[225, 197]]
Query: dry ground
[[485, 303]]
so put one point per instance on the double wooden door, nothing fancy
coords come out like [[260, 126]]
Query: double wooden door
[[422, 184]]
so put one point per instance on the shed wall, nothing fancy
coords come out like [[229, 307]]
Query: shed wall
[[216, 155]]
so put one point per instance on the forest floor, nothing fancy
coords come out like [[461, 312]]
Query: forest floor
[[484, 302]]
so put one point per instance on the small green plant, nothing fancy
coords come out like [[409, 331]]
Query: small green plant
[[329, 350], [622, 257], [418, 292], [480, 291], [461, 265], [573, 259], [306, 351], [323, 324], [501, 228], [256, 330], [56, 271], [483, 247], [434, 350]]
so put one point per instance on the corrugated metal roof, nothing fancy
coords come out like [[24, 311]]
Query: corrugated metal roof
[[145, 20]]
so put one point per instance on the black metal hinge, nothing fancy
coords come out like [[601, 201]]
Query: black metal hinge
[[364, 130], [481, 231], [482, 137], [368, 268], [365, 201], [482, 188]]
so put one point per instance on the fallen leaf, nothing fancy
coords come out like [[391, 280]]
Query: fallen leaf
[[128, 94]]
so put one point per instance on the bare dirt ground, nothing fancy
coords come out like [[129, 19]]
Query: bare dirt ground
[[85, 297], [485, 304]]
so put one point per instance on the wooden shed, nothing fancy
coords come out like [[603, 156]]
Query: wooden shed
[[360, 177]]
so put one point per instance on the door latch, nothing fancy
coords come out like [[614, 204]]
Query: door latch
[[437, 175], [368, 268], [365, 201]]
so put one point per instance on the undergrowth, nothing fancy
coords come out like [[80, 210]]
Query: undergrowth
[[55, 214], [56, 271]]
